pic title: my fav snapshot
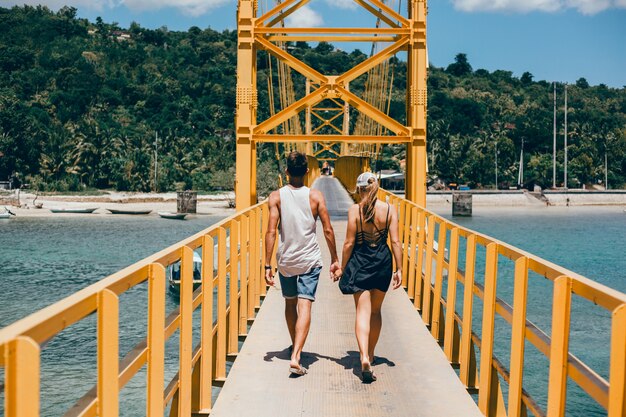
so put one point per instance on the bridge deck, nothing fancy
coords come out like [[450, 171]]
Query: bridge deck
[[414, 377]]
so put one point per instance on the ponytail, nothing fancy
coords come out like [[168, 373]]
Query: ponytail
[[368, 202]]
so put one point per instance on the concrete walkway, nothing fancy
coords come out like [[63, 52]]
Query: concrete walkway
[[414, 377]]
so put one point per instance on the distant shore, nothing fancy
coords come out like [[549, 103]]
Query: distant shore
[[213, 205]]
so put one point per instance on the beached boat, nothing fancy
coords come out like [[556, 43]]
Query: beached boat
[[173, 274], [133, 212], [73, 210], [6, 214], [173, 216]]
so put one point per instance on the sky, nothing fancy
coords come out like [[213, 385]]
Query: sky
[[555, 40]]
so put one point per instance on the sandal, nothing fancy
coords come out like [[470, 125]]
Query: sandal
[[298, 371]]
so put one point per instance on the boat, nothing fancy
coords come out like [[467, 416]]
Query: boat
[[173, 274], [133, 212], [6, 214], [173, 216], [73, 210]]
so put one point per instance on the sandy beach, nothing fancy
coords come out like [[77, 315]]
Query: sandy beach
[[212, 205]]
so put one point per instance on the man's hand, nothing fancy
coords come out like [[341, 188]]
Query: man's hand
[[269, 277], [335, 271], [397, 279]]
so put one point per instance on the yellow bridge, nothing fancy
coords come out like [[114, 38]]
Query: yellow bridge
[[440, 334]]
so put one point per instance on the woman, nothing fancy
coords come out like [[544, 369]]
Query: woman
[[367, 266]]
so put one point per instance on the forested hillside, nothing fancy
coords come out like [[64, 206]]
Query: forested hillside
[[82, 102]]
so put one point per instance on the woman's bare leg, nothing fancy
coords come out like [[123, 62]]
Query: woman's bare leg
[[362, 325], [376, 320]]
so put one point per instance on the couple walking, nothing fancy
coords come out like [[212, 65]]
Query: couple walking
[[365, 271]]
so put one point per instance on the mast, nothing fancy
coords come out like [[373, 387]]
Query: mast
[[565, 139], [554, 139]]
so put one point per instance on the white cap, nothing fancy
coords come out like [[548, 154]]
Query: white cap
[[363, 180]]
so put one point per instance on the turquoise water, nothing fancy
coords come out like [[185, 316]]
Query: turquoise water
[[44, 260]]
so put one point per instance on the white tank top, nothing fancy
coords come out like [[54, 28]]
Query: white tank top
[[298, 250]]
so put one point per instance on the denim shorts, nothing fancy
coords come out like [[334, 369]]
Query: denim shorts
[[301, 286]]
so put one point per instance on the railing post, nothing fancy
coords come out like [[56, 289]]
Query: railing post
[[22, 359], [265, 217], [518, 333], [419, 267], [405, 242], [427, 294], [436, 328], [412, 253], [467, 370], [253, 256], [220, 362], [244, 274], [260, 278], [233, 317], [450, 340], [206, 327], [617, 374], [156, 340], [559, 346], [108, 355], [487, 395], [186, 329]]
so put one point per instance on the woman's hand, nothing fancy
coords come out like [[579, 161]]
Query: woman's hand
[[335, 271], [397, 279]]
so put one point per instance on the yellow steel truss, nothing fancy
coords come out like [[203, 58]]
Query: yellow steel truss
[[260, 32]]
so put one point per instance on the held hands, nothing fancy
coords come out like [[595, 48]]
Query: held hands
[[396, 279], [269, 277], [335, 271]]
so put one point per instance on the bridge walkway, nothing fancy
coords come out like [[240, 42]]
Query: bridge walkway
[[414, 377]]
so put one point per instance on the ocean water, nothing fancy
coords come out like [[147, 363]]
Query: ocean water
[[43, 260]]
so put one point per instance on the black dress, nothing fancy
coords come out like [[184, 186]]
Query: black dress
[[369, 266]]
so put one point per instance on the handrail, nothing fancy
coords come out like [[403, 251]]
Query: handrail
[[424, 236], [237, 301]]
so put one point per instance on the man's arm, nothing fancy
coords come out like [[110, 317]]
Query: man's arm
[[270, 235], [329, 233]]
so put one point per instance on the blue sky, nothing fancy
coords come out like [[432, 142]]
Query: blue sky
[[555, 40]]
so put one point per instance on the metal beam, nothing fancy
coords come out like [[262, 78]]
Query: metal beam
[[330, 138], [330, 38], [290, 111], [332, 31], [290, 60], [372, 61], [283, 15]]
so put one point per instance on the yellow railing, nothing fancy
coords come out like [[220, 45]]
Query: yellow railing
[[236, 283], [425, 236]]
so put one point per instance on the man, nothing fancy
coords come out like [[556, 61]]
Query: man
[[299, 257]]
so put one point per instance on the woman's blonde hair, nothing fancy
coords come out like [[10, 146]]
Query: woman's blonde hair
[[368, 201]]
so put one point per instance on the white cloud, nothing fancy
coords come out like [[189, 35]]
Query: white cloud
[[345, 4], [305, 17], [188, 7], [587, 7], [57, 4]]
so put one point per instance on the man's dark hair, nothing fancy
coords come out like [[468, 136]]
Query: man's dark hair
[[297, 164]]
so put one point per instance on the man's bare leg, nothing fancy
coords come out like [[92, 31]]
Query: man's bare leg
[[302, 330], [291, 317]]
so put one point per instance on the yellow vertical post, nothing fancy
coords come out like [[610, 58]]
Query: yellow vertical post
[[426, 302], [220, 363], [617, 374], [406, 228], [416, 105], [419, 280], [108, 355], [559, 346], [156, 340], [467, 373], [265, 220], [253, 260], [244, 274], [412, 252], [186, 329], [450, 327], [518, 333], [487, 394], [246, 102], [258, 263], [206, 327], [22, 378], [233, 317], [435, 327]]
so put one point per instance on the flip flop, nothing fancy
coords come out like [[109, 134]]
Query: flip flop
[[299, 370]]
